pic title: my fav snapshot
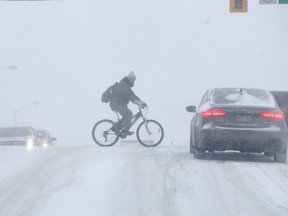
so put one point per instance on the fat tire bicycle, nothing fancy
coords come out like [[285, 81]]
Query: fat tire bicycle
[[149, 132]]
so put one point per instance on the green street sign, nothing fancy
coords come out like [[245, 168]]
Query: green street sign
[[283, 2]]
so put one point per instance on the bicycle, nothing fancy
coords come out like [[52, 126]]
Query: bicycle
[[149, 132]]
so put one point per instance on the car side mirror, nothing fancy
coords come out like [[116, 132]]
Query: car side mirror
[[191, 108]]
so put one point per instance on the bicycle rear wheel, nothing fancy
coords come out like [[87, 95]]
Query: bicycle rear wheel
[[150, 133], [102, 133]]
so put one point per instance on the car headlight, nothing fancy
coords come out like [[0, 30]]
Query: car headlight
[[29, 144], [45, 144]]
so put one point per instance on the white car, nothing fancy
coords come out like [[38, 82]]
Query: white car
[[15, 136]]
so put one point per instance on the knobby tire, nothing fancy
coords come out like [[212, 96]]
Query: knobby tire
[[103, 135], [153, 139]]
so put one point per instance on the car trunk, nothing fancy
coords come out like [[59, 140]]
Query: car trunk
[[244, 117], [282, 100]]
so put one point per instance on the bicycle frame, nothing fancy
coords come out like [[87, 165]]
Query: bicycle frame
[[135, 118]]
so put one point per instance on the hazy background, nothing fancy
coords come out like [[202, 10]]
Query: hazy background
[[69, 52]]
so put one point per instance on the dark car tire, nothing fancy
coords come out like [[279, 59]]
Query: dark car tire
[[192, 149], [281, 158], [199, 154], [192, 146], [268, 154]]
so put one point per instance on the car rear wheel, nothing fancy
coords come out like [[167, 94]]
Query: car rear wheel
[[192, 149], [192, 145], [268, 154], [199, 151], [280, 157], [199, 154]]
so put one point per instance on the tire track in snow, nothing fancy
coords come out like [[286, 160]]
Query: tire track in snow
[[269, 186], [22, 193], [225, 188], [140, 183], [163, 181]]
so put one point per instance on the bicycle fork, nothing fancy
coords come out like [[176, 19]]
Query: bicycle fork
[[146, 126]]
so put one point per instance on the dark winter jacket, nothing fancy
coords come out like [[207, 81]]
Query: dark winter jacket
[[123, 94]]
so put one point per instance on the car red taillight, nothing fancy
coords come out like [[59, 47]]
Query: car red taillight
[[213, 113], [273, 115]]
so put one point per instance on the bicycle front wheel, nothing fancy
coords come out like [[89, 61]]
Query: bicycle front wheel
[[150, 133], [102, 133]]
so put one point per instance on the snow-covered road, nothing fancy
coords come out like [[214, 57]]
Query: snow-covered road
[[132, 180]]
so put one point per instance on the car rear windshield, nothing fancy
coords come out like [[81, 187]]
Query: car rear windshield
[[12, 132], [242, 97]]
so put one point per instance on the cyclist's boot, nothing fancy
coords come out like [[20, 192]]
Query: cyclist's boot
[[126, 132], [114, 129]]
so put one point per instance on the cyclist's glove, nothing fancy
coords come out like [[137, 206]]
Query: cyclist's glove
[[144, 105], [140, 103]]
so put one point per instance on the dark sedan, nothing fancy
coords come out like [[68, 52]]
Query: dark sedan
[[238, 119], [44, 138]]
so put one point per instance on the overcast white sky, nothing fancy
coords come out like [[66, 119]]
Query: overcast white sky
[[69, 52]]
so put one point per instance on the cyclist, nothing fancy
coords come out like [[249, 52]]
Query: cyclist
[[122, 95]]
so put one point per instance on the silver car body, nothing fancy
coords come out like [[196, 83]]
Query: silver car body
[[17, 136]]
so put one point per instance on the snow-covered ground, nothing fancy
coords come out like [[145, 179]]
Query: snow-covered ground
[[131, 180]]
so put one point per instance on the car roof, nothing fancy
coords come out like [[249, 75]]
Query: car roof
[[45, 132], [11, 131], [20, 127]]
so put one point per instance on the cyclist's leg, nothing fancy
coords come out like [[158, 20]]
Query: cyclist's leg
[[127, 115]]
